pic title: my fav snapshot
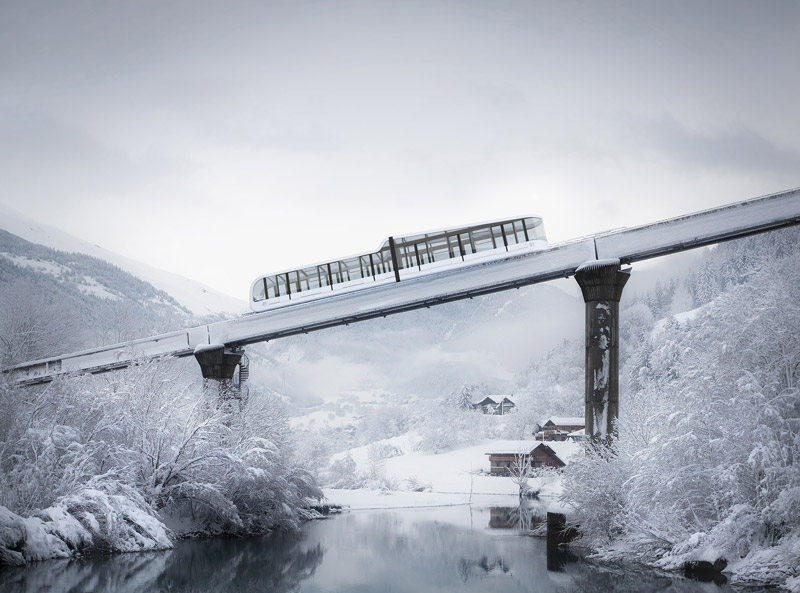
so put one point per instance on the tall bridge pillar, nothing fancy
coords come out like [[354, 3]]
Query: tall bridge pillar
[[601, 283], [218, 365]]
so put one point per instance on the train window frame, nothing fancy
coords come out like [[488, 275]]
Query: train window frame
[[519, 226], [483, 239], [509, 234]]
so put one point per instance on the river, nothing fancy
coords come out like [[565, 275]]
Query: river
[[442, 549]]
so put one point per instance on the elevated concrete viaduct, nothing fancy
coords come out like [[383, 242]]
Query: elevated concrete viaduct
[[595, 261]]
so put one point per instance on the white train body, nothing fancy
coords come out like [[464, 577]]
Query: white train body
[[399, 258]]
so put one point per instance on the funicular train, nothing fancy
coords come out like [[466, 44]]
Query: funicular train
[[399, 258]]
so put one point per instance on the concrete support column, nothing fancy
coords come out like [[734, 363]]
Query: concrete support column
[[601, 283], [218, 365]]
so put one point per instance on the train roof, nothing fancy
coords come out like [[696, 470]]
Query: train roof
[[385, 242]]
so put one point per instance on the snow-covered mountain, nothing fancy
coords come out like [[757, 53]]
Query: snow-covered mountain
[[199, 299]]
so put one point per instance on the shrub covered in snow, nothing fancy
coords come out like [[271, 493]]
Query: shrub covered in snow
[[104, 463], [343, 473]]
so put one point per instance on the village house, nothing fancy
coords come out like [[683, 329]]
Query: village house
[[558, 428], [489, 406], [505, 406], [503, 460], [578, 436]]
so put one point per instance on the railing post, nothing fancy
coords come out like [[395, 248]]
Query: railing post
[[601, 283]]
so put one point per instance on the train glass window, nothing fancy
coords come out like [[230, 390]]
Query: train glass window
[[497, 235], [535, 228], [520, 232], [294, 282], [508, 228], [363, 262], [341, 272], [466, 244], [412, 255], [322, 275], [352, 268], [423, 255], [344, 266], [406, 256], [458, 246], [479, 238], [259, 291], [438, 249], [274, 288], [336, 274], [470, 241], [452, 247], [386, 260], [309, 278], [418, 255], [302, 282], [402, 255], [280, 285], [482, 238]]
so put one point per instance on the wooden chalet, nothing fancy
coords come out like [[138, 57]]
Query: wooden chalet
[[489, 406], [505, 406], [558, 428], [501, 463]]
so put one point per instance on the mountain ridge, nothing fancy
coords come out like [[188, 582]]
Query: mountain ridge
[[198, 298]]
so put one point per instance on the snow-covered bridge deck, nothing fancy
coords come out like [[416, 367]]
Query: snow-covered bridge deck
[[465, 281]]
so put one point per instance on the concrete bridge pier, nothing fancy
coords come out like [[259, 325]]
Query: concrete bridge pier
[[601, 283], [218, 364]]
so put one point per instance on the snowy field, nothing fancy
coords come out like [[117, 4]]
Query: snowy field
[[459, 476]]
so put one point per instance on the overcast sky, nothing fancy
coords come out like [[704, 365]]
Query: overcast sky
[[220, 140]]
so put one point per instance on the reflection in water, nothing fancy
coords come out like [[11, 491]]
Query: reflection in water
[[441, 549], [275, 563], [525, 517]]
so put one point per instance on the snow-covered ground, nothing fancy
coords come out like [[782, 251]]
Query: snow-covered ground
[[459, 476]]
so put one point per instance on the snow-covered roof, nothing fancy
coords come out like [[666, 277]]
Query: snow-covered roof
[[525, 446], [566, 450], [485, 400], [597, 263], [567, 420]]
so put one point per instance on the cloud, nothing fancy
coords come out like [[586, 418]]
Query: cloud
[[734, 147], [44, 156]]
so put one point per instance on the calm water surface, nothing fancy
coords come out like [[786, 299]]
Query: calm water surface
[[398, 551]]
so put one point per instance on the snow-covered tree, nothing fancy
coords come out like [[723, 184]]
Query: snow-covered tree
[[705, 465], [31, 324], [464, 398], [149, 444]]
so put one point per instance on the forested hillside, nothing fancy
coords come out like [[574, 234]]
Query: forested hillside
[[53, 302]]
